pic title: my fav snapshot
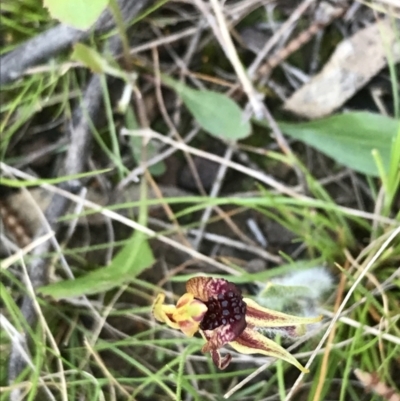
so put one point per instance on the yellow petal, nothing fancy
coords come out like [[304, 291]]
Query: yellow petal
[[189, 308], [163, 313], [188, 327], [252, 342], [184, 300], [258, 316], [189, 313]]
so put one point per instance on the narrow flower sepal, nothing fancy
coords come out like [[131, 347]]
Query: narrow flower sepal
[[253, 342], [293, 326]]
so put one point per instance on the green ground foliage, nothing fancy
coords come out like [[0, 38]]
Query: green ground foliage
[[186, 173]]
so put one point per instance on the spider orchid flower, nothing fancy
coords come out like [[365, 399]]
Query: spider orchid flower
[[215, 307]]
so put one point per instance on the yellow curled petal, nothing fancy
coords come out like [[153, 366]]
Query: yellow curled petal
[[186, 315], [252, 342], [164, 313], [258, 316]]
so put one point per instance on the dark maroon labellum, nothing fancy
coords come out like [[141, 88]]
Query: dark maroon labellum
[[227, 308]]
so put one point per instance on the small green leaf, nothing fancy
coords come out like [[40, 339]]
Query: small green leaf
[[95, 61], [349, 138], [216, 113], [80, 14], [90, 57], [131, 260]]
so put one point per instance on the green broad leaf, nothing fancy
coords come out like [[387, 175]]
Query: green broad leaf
[[349, 138], [215, 112], [130, 261], [80, 14]]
